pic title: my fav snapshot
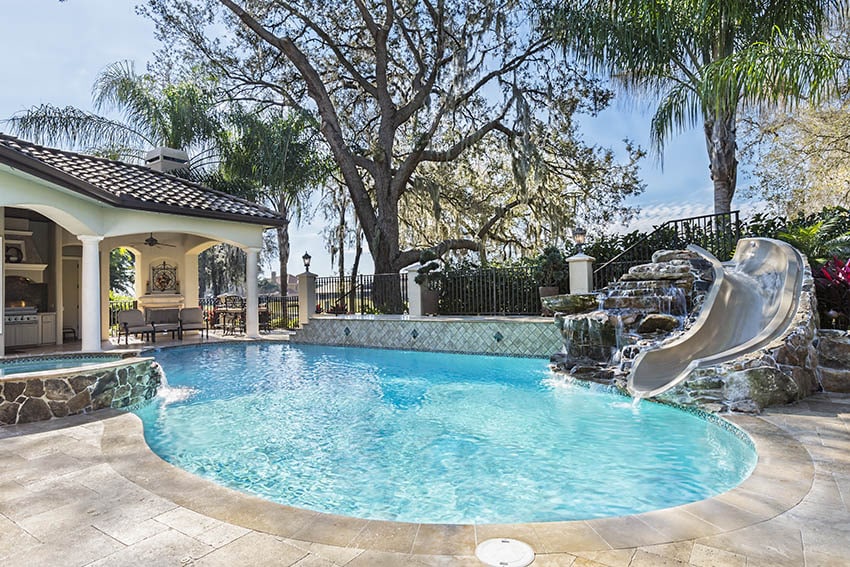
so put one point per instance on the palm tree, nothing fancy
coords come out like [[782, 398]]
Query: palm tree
[[707, 59], [274, 159], [269, 159], [181, 116]]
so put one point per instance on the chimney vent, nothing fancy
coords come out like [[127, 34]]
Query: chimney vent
[[166, 159]]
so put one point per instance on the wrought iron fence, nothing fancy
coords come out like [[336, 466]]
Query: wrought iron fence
[[378, 293], [276, 312], [490, 291], [280, 312], [716, 233]]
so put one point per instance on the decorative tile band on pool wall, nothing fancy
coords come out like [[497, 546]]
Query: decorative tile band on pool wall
[[77, 390], [474, 336]]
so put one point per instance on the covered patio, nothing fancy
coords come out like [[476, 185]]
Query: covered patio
[[62, 213]]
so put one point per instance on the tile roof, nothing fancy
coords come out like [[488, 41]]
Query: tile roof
[[130, 186]]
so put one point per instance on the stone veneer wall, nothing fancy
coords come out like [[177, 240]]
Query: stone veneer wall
[[73, 391], [498, 336]]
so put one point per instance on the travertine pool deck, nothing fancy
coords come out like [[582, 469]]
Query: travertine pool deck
[[87, 491]]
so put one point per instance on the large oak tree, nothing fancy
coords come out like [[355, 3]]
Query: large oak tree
[[398, 86]]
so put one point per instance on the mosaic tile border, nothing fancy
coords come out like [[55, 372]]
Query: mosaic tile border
[[12, 359], [497, 337]]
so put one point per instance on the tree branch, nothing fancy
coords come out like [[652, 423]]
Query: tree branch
[[409, 257], [501, 212], [334, 46], [330, 120]]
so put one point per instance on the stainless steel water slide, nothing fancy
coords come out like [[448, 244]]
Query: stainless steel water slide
[[752, 302]]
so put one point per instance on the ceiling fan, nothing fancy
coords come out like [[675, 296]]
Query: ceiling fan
[[152, 241]]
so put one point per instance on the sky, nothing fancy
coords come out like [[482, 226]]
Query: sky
[[52, 52]]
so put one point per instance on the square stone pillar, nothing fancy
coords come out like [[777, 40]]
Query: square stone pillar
[[581, 273], [306, 297], [414, 292]]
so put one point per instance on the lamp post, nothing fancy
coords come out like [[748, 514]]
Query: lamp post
[[580, 236], [306, 257]]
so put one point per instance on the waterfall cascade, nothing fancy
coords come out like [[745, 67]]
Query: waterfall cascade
[[650, 303]]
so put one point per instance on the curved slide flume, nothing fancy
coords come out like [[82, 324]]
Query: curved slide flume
[[751, 303]]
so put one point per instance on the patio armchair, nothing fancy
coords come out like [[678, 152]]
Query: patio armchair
[[193, 319], [133, 321], [164, 320]]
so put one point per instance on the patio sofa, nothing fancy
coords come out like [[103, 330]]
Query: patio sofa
[[164, 320]]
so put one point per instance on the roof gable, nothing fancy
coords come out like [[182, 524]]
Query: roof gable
[[130, 186]]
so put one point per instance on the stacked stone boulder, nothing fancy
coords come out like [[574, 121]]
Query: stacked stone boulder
[[57, 395], [649, 303]]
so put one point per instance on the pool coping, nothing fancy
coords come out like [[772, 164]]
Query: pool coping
[[783, 475]]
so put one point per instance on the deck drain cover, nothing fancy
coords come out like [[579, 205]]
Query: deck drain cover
[[504, 552]]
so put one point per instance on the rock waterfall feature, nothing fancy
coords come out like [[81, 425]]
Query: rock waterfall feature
[[677, 330]]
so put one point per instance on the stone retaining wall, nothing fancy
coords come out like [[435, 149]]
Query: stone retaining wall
[[59, 393], [834, 357], [523, 336]]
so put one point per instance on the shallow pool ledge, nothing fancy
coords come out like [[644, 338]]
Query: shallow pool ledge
[[781, 479], [51, 394]]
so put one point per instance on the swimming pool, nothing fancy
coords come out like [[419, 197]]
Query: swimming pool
[[428, 437], [9, 367]]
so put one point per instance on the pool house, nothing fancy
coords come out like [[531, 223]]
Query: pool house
[[62, 213]]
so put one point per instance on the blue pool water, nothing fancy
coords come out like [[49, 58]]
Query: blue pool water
[[9, 367], [427, 437]]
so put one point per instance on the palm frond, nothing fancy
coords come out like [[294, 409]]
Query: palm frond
[[781, 71], [119, 88], [75, 129], [679, 109]]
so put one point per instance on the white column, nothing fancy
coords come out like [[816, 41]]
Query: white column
[[104, 297], [90, 287], [252, 322], [2, 292], [581, 273], [306, 297], [189, 285]]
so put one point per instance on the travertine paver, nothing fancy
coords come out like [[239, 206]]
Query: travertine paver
[[87, 491]]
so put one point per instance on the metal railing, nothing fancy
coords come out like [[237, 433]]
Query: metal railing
[[717, 233], [276, 312], [378, 293], [280, 312], [490, 291]]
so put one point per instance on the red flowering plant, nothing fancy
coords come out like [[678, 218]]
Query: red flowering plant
[[832, 284]]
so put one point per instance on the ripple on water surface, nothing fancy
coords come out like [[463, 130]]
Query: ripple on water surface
[[427, 437]]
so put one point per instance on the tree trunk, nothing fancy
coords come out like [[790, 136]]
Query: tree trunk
[[283, 256], [720, 139], [283, 245], [358, 251]]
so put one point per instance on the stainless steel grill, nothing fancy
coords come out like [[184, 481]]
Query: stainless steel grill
[[21, 314]]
